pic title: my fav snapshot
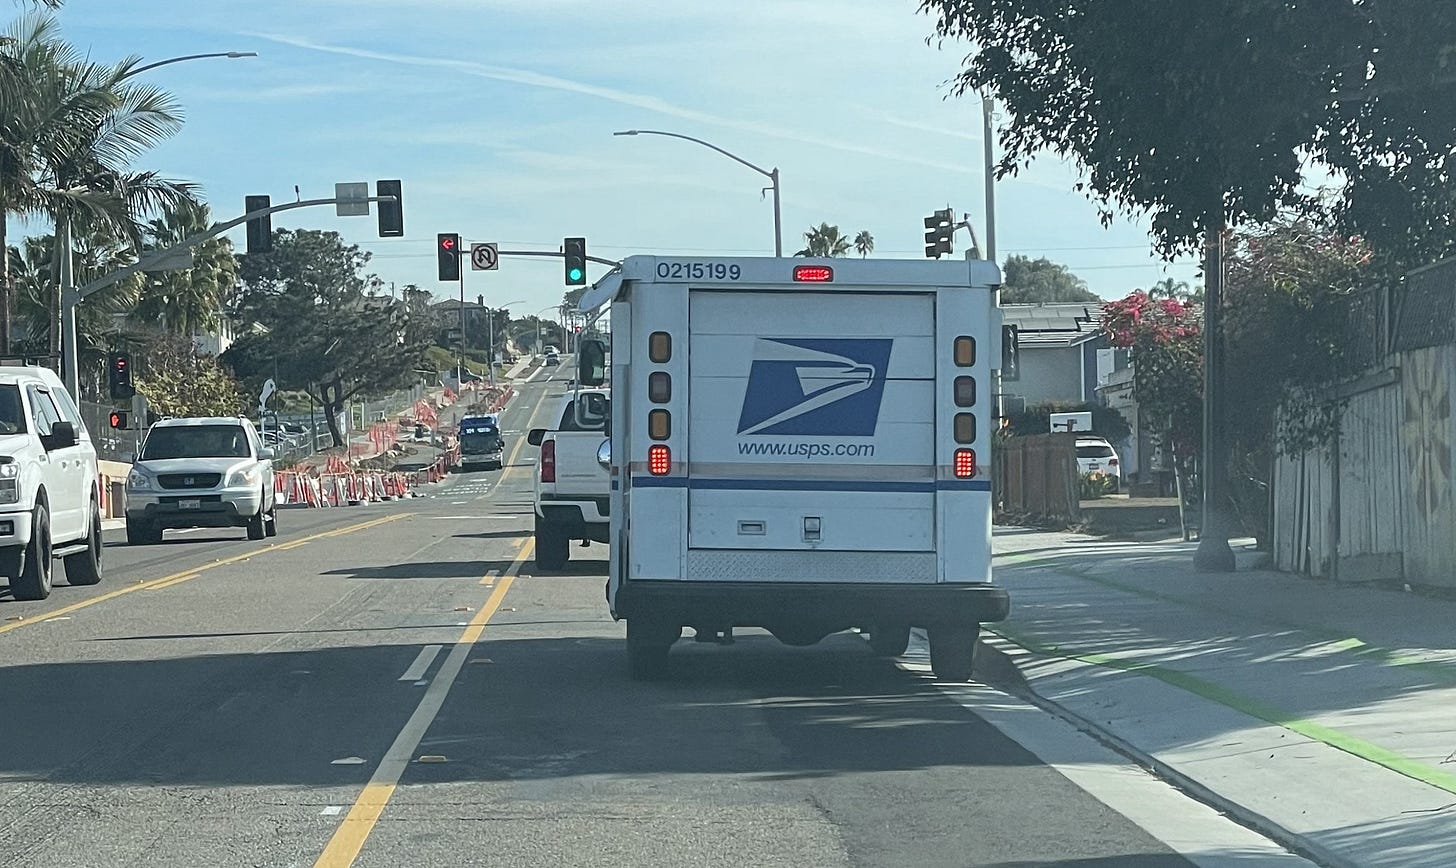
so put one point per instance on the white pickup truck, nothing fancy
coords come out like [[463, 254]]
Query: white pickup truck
[[572, 484]]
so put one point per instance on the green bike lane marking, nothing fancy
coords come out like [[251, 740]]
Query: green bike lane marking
[[1441, 670]]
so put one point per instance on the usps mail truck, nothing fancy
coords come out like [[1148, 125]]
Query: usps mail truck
[[800, 445]]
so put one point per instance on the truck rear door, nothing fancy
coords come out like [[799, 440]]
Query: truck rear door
[[812, 424]]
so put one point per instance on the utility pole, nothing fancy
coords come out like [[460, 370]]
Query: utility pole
[[461, 372], [988, 143], [1213, 553]]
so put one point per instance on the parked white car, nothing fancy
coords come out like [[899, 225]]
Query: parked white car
[[1096, 455], [201, 472], [49, 499]]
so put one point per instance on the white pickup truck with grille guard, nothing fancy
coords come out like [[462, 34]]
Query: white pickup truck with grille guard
[[800, 445]]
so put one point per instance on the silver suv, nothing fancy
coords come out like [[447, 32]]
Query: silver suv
[[49, 499], [202, 472]]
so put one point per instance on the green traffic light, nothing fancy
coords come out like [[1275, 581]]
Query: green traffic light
[[576, 274]]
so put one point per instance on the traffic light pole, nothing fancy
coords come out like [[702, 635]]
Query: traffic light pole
[[72, 296]]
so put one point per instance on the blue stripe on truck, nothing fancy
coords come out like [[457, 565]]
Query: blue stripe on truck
[[807, 484]]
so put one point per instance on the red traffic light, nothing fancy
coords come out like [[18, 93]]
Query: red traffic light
[[447, 242], [578, 329]]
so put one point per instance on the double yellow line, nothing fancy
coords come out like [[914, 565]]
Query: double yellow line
[[191, 573], [343, 848]]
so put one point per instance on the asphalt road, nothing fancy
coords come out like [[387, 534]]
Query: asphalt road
[[393, 685]]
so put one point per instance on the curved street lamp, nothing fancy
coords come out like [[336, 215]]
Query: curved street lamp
[[70, 351], [228, 54], [771, 174]]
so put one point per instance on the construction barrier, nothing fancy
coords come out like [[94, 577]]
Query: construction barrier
[[350, 488]]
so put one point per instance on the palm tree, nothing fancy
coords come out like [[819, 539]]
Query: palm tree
[[99, 155], [864, 243], [40, 111], [188, 301], [825, 240], [33, 267], [69, 131]]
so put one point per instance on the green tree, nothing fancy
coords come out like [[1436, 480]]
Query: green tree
[[864, 243], [1213, 129], [32, 267], [824, 240], [314, 320], [70, 132], [188, 301], [177, 380], [1041, 281]]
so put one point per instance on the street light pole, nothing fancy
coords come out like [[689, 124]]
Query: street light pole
[[771, 174], [70, 353]]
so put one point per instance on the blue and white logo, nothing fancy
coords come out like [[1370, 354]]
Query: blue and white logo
[[821, 386]]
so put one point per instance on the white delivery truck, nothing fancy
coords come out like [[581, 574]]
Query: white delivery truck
[[800, 445]]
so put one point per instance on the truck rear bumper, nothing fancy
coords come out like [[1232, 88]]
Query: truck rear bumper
[[813, 607]]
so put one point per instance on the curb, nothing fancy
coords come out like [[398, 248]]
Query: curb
[[1003, 666]]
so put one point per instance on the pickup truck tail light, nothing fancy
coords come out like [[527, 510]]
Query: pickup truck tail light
[[548, 461]]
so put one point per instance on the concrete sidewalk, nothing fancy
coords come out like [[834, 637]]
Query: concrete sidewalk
[[1323, 715]]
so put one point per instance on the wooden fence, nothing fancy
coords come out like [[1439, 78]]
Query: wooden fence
[[1037, 475]]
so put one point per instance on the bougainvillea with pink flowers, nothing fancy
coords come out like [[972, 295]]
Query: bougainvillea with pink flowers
[[1165, 336]]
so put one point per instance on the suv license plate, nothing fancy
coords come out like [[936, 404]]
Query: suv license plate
[[189, 504]]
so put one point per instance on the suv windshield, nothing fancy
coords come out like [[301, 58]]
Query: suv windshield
[[196, 441], [12, 411]]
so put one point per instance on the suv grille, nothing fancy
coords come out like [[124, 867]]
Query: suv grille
[[189, 480]]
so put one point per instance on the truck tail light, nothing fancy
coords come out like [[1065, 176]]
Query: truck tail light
[[659, 425], [965, 463], [964, 351], [659, 387], [659, 459], [548, 461]]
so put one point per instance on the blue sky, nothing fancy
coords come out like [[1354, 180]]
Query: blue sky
[[498, 117]]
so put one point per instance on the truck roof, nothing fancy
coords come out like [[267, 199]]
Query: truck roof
[[752, 271]]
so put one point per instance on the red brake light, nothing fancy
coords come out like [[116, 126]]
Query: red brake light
[[965, 463], [813, 273], [548, 461], [659, 459]]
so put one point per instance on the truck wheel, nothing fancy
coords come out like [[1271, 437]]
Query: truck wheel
[[272, 529], [953, 651], [34, 581], [890, 640], [648, 644], [84, 568], [552, 546]]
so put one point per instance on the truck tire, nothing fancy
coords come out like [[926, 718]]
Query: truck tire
[[553, 548], [953, 651], [273, 521], [648, 643], [84, 568], [34, 581], [890, 640]]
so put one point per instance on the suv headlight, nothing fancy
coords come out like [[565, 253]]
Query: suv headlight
[[139, 480], [244, 476]]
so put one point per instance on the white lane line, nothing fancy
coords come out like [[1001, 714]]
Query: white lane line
[[422, 663], [332, 810]]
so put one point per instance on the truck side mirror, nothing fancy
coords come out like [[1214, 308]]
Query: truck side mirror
[[535, 436], [591, 410], [591, 362]]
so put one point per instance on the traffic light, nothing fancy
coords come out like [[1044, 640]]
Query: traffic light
[[574, 255], [118, 419], [447, 245], [119, 376], [939, 227], [391, 214], [260, 229]]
